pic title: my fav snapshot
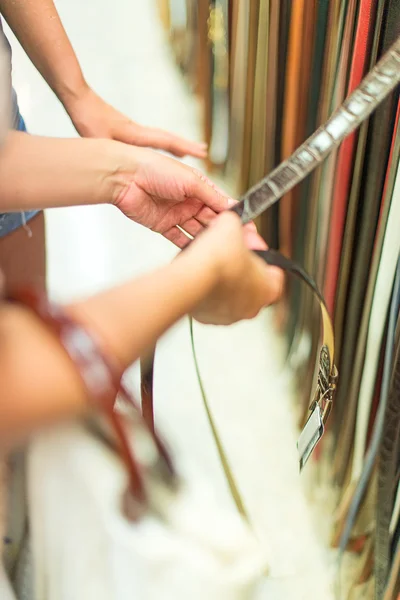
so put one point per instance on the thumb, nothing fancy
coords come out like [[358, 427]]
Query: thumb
[[200, 187]]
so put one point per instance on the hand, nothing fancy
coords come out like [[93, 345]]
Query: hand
[[93, 117], [162, 193], [244, 284]]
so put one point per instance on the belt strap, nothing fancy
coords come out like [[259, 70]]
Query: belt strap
[[348, 296], [298, 310], [370, 457], [322, 400], [338, 80], [392, 590], [258, 139], [370, 17], [351, 391], [387, 465], [290, 117], [379, 135], [363, 101], [345, 159]]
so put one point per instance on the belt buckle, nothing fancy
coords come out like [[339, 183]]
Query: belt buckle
[[320, 408]]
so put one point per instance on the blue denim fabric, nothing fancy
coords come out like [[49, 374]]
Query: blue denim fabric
[[11, 221]]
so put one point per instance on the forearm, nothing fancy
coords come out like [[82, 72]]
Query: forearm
[[132, 317], [39, 385], [38, 172], [39, 30]]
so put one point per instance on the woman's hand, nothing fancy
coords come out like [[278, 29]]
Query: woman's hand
[[161, 193], [243, 283], [93, 117], [152, 189]]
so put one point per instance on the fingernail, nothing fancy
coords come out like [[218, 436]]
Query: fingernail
[[203, 145], [232, 202]]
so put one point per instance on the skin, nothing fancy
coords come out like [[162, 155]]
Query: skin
[[38, 27], [27, 268], [152, 189], [219, 283]]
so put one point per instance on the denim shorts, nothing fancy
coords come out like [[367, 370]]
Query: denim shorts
[[11, 221]]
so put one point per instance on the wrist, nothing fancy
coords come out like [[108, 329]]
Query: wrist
[[199, 271], [71, 91], [121, 163]]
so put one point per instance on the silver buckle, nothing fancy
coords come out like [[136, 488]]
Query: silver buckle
[[320, 408], [312, 432]]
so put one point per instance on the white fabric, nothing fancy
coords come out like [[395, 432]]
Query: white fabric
[[6, 592], [84, 549]]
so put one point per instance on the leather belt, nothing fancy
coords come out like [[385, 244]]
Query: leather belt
[[323, 396], [388, 457], [258, 138], [374, 88], [290, 124], [321, 402], [353, 147], [373, 446], [336, 94], [327, 373], [351, 359], [298, 311], [360, 364], [345, 159]]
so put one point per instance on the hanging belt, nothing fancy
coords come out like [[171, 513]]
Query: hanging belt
[[327, 373], [359, 105], [373, 89]]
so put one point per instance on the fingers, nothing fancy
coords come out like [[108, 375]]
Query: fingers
[[200, 187], [205, 216], [252, 239], [177, 237], [163, 140], [178, 234], [274, 284], [193, 227], [270, 280]]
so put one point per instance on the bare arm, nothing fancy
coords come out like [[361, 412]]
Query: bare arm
[[38, 27], [38, 383], [217, 283], [38, 172], [153, 190]]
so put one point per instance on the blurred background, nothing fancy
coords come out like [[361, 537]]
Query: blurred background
[[252, 78]]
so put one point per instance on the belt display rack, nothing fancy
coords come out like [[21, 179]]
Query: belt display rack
[[268, 73]]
